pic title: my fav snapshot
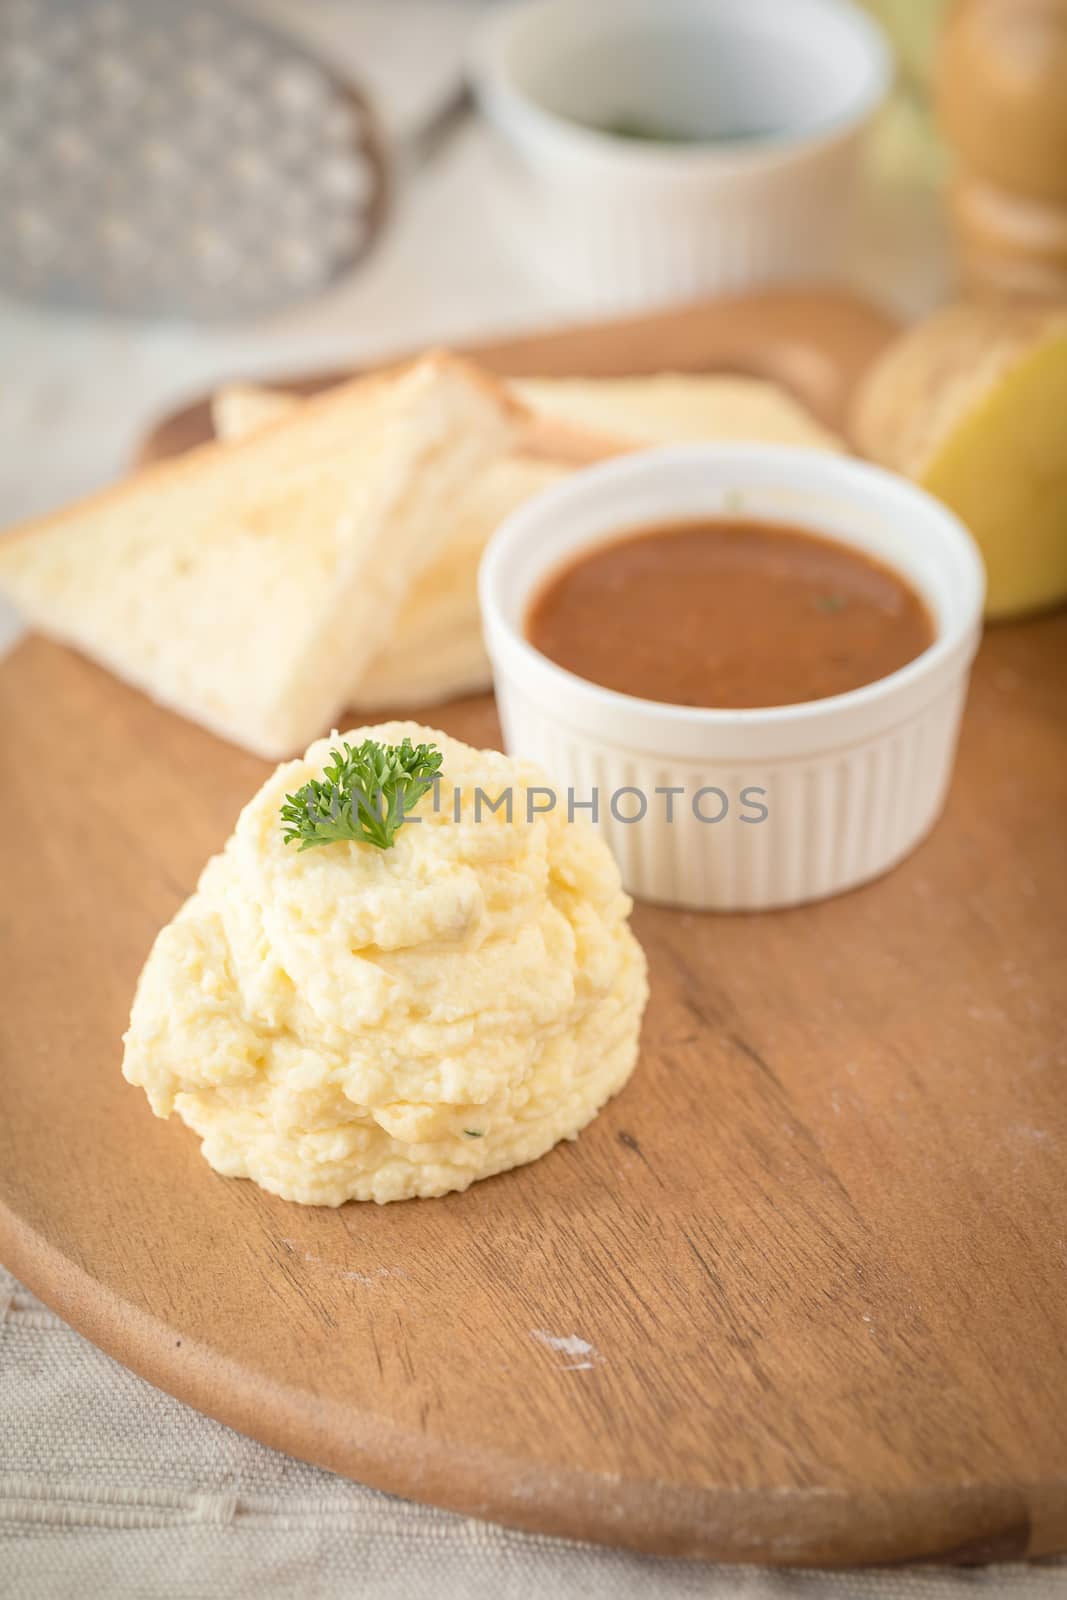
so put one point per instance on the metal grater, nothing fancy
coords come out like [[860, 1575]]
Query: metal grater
[[176, 158]]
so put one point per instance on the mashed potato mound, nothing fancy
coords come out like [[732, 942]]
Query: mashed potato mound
[[349, 1023]]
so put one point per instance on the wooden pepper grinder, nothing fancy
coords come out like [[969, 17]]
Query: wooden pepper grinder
[[1002, 104]]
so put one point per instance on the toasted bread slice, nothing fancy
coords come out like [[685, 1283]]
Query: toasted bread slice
[[435, 651], [250, 583], [676, 408], [239, 409], [574, 420]]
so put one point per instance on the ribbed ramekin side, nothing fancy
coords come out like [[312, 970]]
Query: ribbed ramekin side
[[831, 822]]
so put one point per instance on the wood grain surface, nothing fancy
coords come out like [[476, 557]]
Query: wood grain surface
[[816, 1248]]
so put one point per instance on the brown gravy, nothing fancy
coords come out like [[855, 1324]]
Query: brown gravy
[[729, 614]]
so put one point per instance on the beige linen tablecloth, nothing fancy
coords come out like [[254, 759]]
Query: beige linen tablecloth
[[108, 1487]]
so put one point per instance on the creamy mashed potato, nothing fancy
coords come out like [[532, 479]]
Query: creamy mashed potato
[[349, 1023]]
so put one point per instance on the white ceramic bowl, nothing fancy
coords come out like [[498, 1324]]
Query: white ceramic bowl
[[773, 95], [850, 783]]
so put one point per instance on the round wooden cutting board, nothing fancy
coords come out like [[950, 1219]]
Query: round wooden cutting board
[[798, 1295]]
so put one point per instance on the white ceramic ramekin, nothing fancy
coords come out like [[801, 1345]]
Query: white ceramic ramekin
[[780, 91], [850, 784]]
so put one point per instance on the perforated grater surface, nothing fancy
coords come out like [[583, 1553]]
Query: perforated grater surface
[[176, 157]]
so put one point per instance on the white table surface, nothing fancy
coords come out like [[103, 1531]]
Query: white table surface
[[108, 1486]]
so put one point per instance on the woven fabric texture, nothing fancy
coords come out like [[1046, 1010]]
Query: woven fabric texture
[[108, 1487]]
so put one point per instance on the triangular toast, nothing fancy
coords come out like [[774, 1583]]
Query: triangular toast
[[249, 583]]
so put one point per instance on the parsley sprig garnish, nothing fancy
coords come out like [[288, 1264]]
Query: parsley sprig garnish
[[364, 794]]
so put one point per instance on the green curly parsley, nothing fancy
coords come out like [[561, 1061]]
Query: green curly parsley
[[363, 794]]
